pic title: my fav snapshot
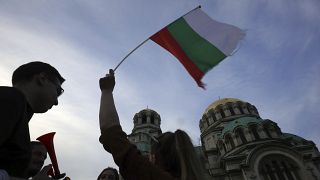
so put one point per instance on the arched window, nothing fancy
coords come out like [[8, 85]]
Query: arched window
[[240, 108], [209, 119], [217, 114], [231, 108], [144, 119], [152, 119], [240, 133], [266, 129], [213, 116], [287, 170], [274, 130], [253, 129], [278, 167], [205, 123], [223, 115], [229, 141], [222, 147], [253, 110], [250, 109]]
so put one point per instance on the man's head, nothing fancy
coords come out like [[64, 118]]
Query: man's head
[[40, 83], [38, 156]]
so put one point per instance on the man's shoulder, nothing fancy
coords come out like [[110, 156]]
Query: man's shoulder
[[11, 94]]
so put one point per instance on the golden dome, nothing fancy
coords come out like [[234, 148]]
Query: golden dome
[[221, 101]]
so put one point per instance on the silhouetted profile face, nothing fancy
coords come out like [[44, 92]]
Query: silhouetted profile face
[[46, 94], [107, 175]]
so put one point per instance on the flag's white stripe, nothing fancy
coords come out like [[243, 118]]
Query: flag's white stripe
[[223, 36]]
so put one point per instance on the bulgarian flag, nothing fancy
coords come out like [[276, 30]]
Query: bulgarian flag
[[199, 42]]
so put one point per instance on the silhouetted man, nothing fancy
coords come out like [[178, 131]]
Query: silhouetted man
[[36, 88]]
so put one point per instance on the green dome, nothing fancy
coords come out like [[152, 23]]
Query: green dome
[[221, 102], [244, 121]]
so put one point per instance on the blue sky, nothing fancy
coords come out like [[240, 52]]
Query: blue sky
[[276, 68]]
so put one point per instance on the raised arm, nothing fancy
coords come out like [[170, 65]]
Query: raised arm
[[108, 115], [132, 164]]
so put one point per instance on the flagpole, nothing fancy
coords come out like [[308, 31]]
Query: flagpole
[[130, 53], [191, 11], [146, 41]]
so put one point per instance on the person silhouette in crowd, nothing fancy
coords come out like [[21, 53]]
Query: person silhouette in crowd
[[174, 155], [36, 88], [108, 174]]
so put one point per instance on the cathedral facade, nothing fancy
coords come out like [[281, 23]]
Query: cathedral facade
[[237, 144]]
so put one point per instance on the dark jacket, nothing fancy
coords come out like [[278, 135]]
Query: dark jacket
[[15, 114], [132, 165]]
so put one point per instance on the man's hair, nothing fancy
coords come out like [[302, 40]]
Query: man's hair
[[26, 71], [115, 172]]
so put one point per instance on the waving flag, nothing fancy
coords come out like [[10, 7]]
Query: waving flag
[[198, 42]]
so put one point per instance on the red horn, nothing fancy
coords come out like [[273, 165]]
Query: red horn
[[47, 140]]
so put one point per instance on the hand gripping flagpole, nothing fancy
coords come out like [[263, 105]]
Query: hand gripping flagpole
[[146, 41]]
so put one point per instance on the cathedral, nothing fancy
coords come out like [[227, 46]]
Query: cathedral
[[237, 144]]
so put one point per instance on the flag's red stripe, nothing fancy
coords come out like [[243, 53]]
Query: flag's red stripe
[[164, 39]]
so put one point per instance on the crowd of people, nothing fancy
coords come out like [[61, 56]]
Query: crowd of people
[[36, 87]]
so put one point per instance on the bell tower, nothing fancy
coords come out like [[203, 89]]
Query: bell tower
[[146, 126]]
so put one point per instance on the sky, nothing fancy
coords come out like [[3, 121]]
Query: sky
[[276, 67]]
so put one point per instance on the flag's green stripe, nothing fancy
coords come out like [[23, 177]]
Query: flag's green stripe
[[204, 54]]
